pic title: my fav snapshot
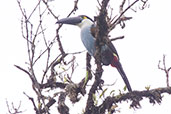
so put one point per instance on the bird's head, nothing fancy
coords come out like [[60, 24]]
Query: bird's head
[[79, 21]]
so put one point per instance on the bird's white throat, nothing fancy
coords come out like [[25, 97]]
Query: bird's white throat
[[84, 23]]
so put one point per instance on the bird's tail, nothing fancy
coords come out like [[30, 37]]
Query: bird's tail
[[123, 75]]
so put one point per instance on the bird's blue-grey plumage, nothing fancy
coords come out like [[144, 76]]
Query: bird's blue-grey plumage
[[88, 40], [108, 52], [89, 43]]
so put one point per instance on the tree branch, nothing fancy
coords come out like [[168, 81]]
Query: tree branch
[[112, 26], [165, 69], [62, 107], [101, 34], [154, 96]]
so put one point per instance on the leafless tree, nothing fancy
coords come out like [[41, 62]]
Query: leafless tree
[[56, 76]]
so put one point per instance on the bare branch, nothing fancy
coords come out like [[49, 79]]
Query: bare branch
[[165, 69], [48, 105], [154, 96], [144, 4], [117, 38], [22, 69], [14, 110], [53, 84], [46, 3], [75, 7], [32, 100], [34, 10], [112, 26], [62, 107], [85, 80]]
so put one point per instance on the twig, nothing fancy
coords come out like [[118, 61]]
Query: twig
[[34, 81], [117, 38], [32, 100], [57, 30], [85, 80], [112, 26], [111, 84], [46, 3], [22, 69], [14, 110], [144, 4], [34, 10], [122, 5], [75, 7], [48, 105], [53, 84], [165, 69]]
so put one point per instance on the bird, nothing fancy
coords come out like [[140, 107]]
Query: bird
[[109, 54]]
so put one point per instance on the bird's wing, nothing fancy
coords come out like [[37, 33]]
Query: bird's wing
[[112, 48], [93, 30], [108, 42]]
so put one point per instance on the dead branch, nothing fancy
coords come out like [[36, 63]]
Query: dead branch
[[165, 69], [154, 96], [52, 84], [144, 4], [119, 19], [84, 81], [32, 100], [62, 107], [14, 109], [48, 105], [117, 38], [46, 3]]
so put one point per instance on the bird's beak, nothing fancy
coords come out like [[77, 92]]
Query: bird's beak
[[70, 20]]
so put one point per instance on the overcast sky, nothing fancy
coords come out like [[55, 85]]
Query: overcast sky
[[147, 38]]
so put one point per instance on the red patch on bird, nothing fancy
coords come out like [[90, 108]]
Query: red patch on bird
[[114, 61]]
